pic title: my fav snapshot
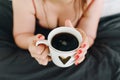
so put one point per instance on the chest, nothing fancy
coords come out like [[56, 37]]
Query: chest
[[51, 16]]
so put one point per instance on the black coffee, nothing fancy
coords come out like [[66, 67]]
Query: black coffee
[[64, 42]]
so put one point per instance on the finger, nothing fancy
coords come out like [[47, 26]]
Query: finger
[[36, 56], [80, 53], [39, 37], [46, 60], [49, 58], [45, 53], [36, 51], [85, 43], [40, 49], [81, 59], [68, 23], [38, 60], [42, 61], [44, 57], [84, 46]]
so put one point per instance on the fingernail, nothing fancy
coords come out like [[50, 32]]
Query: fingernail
[[77, 57], [79, 51], [83, 46], [39, 36]]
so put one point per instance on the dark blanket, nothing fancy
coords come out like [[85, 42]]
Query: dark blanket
[[102, 60]]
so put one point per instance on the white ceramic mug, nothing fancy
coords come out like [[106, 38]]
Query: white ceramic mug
[[62, 58]]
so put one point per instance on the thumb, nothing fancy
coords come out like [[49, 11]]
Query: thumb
[[68, 23], [40, 37]]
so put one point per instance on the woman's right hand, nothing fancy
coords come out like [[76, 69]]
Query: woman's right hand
[[40, 53]]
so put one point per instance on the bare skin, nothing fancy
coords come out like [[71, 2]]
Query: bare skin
[[50, 14]]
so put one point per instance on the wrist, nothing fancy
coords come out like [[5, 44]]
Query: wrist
[[91, 40], [86, 37]]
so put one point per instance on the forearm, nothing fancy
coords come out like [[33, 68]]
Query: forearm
[[23, 40], [86, 38], [90, 28], [90, 19], [94, 8]]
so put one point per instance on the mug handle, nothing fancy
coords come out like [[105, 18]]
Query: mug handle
[[42, 42]]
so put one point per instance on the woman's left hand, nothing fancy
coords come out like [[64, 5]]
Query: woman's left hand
[[81, 52]]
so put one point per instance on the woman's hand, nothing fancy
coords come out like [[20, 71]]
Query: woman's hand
[[81, 52], [40, 53]]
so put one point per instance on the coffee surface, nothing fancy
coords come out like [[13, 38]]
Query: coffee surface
[[64, 42]]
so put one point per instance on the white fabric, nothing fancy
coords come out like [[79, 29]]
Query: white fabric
[[111, 7]]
